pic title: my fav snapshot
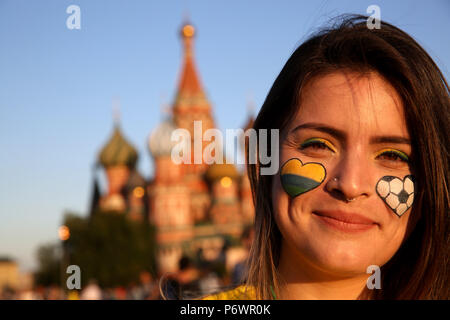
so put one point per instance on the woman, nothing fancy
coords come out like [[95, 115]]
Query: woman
[[363, 181]]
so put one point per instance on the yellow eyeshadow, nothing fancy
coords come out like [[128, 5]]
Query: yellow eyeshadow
[[401, 154], [312, 140]]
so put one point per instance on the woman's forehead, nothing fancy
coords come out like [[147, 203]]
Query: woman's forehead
[[364, 104]]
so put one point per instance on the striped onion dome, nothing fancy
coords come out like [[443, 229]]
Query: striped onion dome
[[118, 151], [160, 143]]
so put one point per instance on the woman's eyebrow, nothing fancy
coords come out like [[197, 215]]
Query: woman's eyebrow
[[339, 134], [390, 139]]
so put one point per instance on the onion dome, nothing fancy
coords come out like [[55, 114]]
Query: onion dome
[[217, 171], [118, 151], [160, 142]]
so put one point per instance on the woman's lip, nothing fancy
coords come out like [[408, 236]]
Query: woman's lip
[[345, 221]]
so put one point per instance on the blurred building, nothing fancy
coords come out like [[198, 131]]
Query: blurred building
[[9, 273], [194, 207]]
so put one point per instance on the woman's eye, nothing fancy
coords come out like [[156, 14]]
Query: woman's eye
[[393, 155], [316, 145]]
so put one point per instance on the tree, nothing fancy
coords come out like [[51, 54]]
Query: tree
[[110, 248], [48, 257], [107, 246]]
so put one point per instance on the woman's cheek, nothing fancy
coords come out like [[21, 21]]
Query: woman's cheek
[[280, 200]]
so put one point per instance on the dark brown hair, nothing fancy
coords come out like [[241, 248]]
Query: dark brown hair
[[419, 268]]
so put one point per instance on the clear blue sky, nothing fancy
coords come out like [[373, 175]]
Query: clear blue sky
[[57, 85]]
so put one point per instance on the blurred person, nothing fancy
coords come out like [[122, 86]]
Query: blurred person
[[187, 277], [92, 291], [209, 282], [120, 293], [28, 294], [73, 295], [238, 272], [182, 284], [54, 292], [147, 287], [7, 293], [108, 294], [133, 292], [39, 292]]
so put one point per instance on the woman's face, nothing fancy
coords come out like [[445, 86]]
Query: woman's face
[[358, 126]]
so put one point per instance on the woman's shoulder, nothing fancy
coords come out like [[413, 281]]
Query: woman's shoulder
[[242, 292]]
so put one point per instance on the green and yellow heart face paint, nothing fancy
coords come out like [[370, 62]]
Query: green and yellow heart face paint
[[298, 178]]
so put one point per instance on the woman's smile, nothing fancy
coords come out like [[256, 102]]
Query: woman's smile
[[349, 222]]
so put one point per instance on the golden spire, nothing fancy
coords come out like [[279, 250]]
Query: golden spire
[[189, 80], [188, 31], [187, 34]]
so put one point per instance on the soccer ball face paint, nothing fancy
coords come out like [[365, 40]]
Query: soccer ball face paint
[[298, 178], [398, 194]]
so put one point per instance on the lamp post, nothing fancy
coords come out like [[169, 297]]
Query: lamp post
[[64, 235]]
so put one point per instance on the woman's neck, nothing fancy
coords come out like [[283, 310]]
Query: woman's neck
[[300, 280]]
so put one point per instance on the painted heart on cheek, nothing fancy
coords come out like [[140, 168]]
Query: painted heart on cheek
[[398, 194], [298, 178]]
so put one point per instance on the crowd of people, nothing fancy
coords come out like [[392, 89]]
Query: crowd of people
[[189, 281]]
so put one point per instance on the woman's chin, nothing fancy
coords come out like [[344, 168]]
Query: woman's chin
[[342, 258]]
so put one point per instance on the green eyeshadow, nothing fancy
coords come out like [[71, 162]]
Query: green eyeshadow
[[311, 141], [399, 153]]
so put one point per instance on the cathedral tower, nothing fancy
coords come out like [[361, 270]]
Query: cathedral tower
[[118, 157], [191, 104], [169, 200]]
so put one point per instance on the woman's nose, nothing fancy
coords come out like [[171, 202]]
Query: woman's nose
[[349, 179]]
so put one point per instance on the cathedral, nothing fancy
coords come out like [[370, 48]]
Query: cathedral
[[195, 208]]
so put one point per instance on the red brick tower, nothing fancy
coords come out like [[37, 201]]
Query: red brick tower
[[192, 105], [169, 200], [195, 206]]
